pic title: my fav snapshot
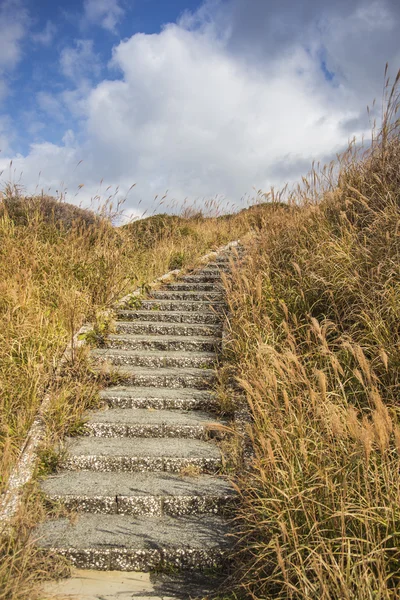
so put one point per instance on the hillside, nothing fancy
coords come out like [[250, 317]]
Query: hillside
[[315, 350], [312, 355], [61, 265]]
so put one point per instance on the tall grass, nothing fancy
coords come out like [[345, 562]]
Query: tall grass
[[54, 274], [58, 268], [315, 347]]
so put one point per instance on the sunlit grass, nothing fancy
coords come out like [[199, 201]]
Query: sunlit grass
[[315, 346], [59, 268]]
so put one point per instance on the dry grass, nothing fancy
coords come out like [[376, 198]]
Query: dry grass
[[315, 342], [58, 268]]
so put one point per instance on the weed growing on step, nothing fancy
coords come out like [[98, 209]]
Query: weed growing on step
[[134, 302], [103, 325], [225, 391], [190, 471]]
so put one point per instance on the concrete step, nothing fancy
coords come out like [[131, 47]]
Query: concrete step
[[166, 316], [159, 398], [136, 494], [174, 329], [172, 378], [127, 477], [193, 287], [215, 267], [126, 543], [183, 305], [147, 423], [141, 455], [165, 342], [154, 359], [203, 277], [190, 296]]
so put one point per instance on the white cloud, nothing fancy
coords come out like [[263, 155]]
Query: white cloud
[[80, 61], [196, 113], [49, 104], [14, 22], [13, 25], [106, 13], [46, 36]]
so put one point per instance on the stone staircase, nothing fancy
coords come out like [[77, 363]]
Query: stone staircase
[[146, 479]]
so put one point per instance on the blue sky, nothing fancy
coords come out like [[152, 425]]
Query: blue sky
[[55, 26], [200, 98]]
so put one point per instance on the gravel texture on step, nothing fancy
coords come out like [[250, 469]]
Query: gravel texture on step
[[140, 493], [193, 287], [175, 329], [189, 317], [151, 423], [215, 267], [124, 543], [210, 276], [158, 398], [164, 342], [172, 378], [190, 296], [140, 455], [184, 305], [155, 359]]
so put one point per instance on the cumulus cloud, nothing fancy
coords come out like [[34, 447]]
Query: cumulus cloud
[[14, 22], [49, 104], [106, 13], [80, 62], [219, 103]]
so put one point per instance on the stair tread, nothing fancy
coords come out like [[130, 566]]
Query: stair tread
[[174, 353], [173, 304], [151, 392], [148, 416], [168, 371], [198, 326], [142, 447], [145, 312], [181, 327], [121, 532], [167, 338], [189, 294], [95, 484], [197, 302]]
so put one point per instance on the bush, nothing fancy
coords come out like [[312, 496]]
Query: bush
[[22, 210]]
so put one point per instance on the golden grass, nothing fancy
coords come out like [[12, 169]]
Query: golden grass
[[55, 273], [315, 345]]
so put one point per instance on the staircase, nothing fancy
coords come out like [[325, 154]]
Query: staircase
[[145, 479]]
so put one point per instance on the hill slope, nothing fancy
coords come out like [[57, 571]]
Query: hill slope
[[315, 349]]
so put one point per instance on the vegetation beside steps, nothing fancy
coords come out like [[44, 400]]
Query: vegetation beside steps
[[314, 347], [145, 476], [59, 269]]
